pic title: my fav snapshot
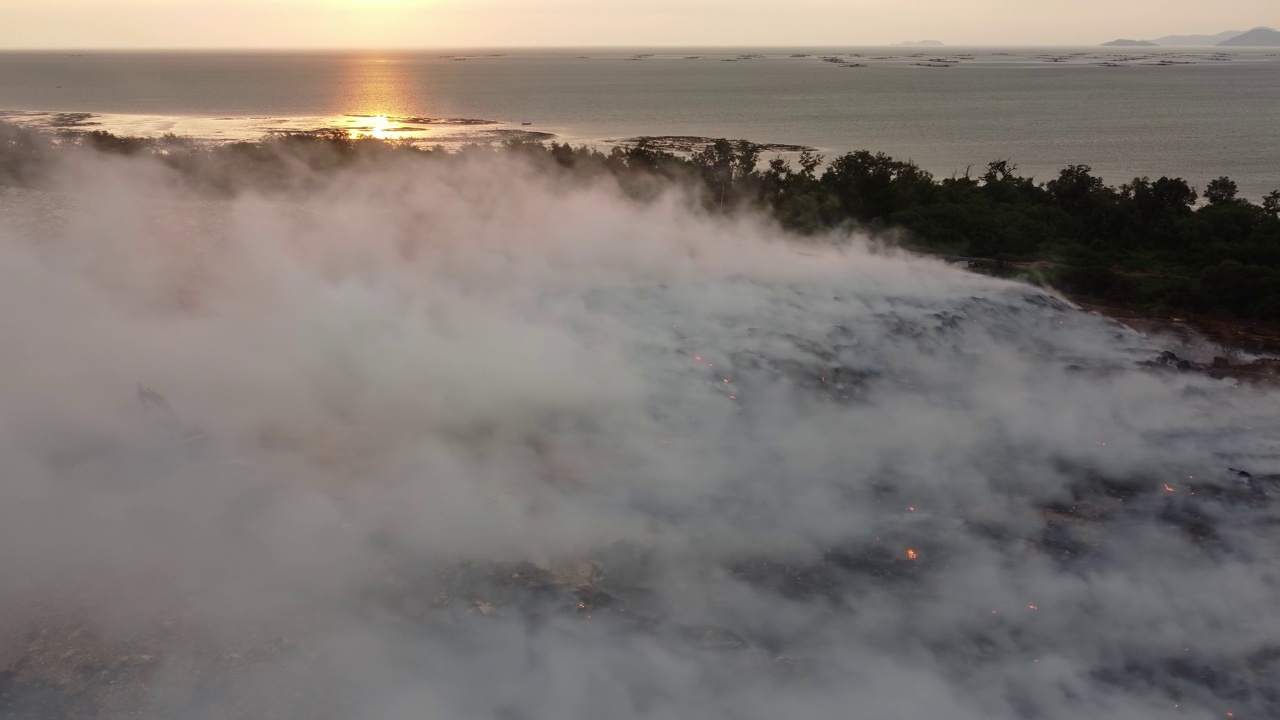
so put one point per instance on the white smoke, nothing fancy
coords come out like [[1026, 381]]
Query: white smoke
[[463, 439]]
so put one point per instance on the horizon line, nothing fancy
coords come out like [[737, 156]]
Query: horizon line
[[422, 48]]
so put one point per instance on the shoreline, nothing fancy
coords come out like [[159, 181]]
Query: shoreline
[[447, 132], [1175, 294]]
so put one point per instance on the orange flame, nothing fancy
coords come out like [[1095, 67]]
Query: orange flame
[[912, 554]]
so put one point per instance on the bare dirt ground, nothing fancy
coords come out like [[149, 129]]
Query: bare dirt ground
[[1243, 349]]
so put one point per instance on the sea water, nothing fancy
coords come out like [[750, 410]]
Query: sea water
[[1192, 113]]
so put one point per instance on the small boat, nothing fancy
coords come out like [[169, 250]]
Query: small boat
[[526, 123]]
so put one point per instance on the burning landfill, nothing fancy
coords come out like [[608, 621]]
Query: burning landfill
[[479, 445]]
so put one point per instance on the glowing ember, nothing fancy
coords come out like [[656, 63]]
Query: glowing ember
[[697, 358], [1169, 489], [912, 554]]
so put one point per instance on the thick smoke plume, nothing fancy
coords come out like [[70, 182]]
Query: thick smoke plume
[[467, 440]]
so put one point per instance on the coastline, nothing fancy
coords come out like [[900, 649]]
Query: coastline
[[1028, 105], [716, 169]]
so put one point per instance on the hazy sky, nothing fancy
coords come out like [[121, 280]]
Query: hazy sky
[[442, 23]]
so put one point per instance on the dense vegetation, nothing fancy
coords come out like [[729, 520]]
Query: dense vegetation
[[1148, 242]]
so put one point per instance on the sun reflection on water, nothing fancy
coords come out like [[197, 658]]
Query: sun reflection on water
[[376, 86], [373, 93], [375, 126], [379, 99]]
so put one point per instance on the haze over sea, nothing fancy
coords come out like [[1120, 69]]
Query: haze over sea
[[1194, 113]]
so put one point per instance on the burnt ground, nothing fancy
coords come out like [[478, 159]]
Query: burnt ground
[[58, 664], [1223, 347], [66, 668]]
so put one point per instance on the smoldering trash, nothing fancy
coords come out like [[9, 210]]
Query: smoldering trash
[[470, 442]]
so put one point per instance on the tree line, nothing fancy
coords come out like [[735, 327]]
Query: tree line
[[1155, 243]]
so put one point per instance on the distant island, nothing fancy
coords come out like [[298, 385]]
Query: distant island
[[1197, 40], [1257, 37], [923, 43]]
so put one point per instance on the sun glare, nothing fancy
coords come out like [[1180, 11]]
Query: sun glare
[[380, 127]]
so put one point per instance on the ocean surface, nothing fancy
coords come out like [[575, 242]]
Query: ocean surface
[[1194, 113]]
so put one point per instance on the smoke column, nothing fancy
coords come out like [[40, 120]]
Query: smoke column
[[466, 439]]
